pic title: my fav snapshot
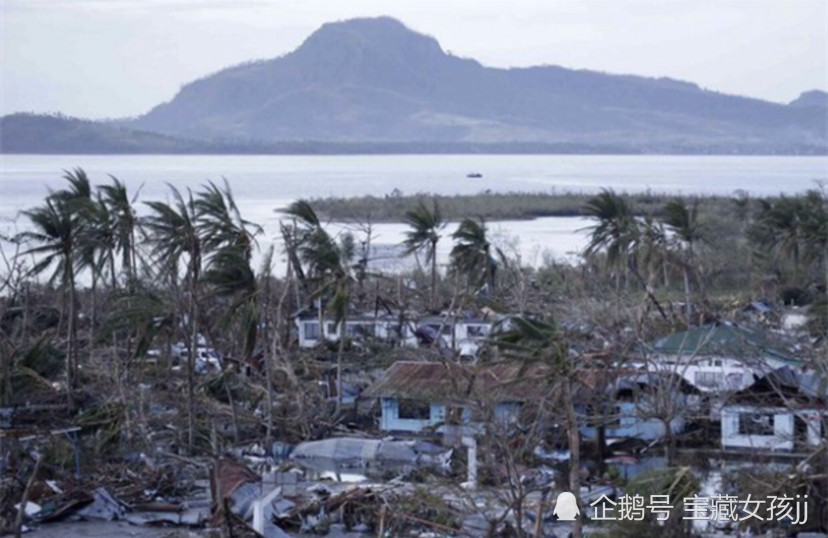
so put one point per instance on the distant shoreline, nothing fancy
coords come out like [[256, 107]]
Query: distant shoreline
[[495, 206]]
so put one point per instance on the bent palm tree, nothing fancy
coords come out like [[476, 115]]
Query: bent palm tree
[[220, 223], [615, 231], [684, 224], [124, 224], [173, 233], [56, 229], [328, 266], [472, 254], [426, 225]]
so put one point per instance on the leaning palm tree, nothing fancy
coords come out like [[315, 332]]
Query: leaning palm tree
[[220, 223], [473, 254], [55, 229], [58, 226], [124, 225], [424, 234], [616, 230], [327, 264], [683, 222], [173, 234]]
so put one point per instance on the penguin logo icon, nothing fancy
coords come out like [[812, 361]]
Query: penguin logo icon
[[566, 507]]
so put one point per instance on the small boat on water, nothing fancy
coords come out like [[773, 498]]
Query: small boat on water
[[474, 175]]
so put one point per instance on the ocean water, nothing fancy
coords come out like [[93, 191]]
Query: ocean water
[[262, 184]]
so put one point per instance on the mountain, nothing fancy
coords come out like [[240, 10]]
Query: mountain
[[32, 133], [375, 86], [374, 80], [56, 134], [813, 98]]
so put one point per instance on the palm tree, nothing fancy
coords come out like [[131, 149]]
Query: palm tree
[[815, 237], [426, 225], [782, 224], [537, 342], [55, 229], [328, 265], [58, 228], [124, 225], [472, 254], [220, 223], [684, 224], [231, 277], [652, 246], [615, 231], [173, 233]]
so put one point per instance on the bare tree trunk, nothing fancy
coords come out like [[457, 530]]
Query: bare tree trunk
[[574, 450], [72, 330], [94, 317], [669, 443], [191, 362], [433, 297], [339, 352], [687, 296]]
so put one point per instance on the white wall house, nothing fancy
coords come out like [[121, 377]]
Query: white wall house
[[718, 357], [771, 428], [462, 335], [311, 332], [709, 374]]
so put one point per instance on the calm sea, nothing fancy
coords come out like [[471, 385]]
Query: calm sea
[[263, 183]]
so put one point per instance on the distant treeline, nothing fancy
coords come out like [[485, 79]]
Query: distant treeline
[[495, 206], [25, 133]]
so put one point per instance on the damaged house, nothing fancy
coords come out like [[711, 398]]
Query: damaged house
[[782, 411], [463, 335], [638, 405], [717, 357], [417, 397], [313, 329]]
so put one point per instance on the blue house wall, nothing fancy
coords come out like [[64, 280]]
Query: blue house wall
[[390, 415], [629, 424]]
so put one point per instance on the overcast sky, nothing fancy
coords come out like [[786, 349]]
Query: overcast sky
[[114, 58]]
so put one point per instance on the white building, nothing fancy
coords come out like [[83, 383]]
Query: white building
[[771, 428]]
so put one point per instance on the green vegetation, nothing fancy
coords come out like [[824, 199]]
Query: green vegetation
[[494, 206]]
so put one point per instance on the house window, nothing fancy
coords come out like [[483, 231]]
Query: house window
[[443, 328], [708, 379], [414, 410], [756, 424], [333, 329], [312, 330], [360, 330]]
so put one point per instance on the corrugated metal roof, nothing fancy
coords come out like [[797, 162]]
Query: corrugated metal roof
[[499, 382], [720, 340], [448, 382]]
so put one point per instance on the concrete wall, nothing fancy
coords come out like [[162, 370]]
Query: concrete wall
[[782, 437], [784, 429]]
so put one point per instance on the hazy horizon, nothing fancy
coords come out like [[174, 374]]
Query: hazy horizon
[[119, 58]]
